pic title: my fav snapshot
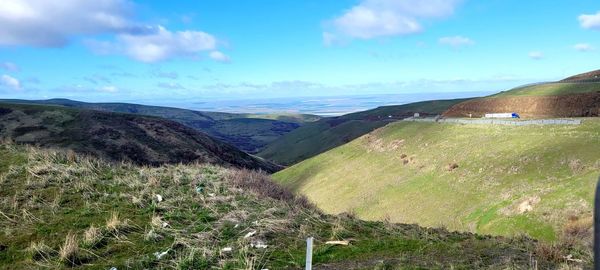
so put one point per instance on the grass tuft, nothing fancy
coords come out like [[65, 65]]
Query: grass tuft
[[70, 253]]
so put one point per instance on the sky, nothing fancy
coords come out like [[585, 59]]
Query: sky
[[154, 51]]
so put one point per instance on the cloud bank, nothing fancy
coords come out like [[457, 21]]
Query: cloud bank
[[42, 23], [10, 82], [379, 18], [590, 21]]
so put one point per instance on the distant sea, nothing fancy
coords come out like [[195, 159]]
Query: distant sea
[[324, 106]]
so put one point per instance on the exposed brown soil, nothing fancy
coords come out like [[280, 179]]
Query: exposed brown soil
[[574, 105], [584, 77]]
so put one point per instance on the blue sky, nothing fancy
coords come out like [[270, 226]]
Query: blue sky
[[152, 51]]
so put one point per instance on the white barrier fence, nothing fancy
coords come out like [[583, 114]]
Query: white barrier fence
[[498, 121]]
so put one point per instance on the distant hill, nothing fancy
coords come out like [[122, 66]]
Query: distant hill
[[490, 179], [248, 132], [116, 136], [576, 96], [70, 212], [320, 136], [592, 76]]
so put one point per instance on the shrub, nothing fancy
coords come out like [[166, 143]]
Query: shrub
[[263, 185]]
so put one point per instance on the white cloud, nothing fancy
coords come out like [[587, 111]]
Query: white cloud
[[590, 21], [44, 23], [536, 55], [219, 57], [583, 47], [109, 89], [52, 23], [159, 45], [8, 66], [456, 41], [170, 85], [378, 18], [10, 82]]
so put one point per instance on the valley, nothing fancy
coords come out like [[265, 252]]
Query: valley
[[248, 132]]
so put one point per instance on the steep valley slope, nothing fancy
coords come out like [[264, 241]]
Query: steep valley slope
[[492, 179], [65, 211], [114, 136], [248, 132], [328, 133]]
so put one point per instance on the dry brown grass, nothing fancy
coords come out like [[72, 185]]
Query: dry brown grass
[[261, 184], [40, 251], [115, 225], [550, 252], [92, 236], [579, 227], [69, 252]]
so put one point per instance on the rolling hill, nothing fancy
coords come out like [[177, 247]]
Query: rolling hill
[[576, 96], [320, 136], [592, 76], [248, 132], [62, 211], [115, 136], [491, 179]]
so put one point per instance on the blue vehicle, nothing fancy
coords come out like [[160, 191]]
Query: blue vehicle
[[515, 115]]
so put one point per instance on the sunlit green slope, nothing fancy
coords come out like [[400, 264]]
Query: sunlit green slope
[[501, 180]]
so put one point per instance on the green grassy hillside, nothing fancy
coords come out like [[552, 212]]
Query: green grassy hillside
[[115, 136], [63, 211], [501, 180], [318, 137], [248, 132], [550, 89]]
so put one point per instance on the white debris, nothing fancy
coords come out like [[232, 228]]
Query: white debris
[[343, 243], [164, 224], [236, 225], [159, 198], [258, 244], [250, 234], [113, 268], [211, 194], [226, 249], [159, 255]]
